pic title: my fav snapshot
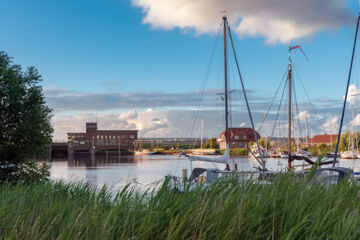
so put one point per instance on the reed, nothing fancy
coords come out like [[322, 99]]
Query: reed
[[286, 208]]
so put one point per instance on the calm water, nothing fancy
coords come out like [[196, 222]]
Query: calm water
[[143, 170]]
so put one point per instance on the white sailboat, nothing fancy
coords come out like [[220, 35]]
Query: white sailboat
[[141, 151], [225, 158], [197, 174]]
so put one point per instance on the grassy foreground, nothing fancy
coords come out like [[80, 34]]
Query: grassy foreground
[[286, 209]]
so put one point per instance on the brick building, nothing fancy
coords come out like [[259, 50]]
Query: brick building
[[96, 140], [239, 138]]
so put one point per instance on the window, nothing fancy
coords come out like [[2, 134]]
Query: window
[[244, 137], [132, 136], [236, 137]]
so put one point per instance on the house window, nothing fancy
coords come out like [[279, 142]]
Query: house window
[[244, 137], [132, 136], [236, 137]]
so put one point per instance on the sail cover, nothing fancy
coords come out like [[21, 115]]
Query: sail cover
[[217, 159]]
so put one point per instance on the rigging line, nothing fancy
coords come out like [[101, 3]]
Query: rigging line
[[247, 103], [308, 98], [199, 100], [277, 115], [297, 111], [205, 79], [347, 90], [268, 110]]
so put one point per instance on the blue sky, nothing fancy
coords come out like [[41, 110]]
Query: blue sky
[[104, 48]]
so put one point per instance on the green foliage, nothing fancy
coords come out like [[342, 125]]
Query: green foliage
[[288, 208], [24, 121], [235, 151], [264, 142], [212, 144]]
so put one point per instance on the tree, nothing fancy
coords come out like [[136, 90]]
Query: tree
[[264, 142], [212, 143], [25, 128]]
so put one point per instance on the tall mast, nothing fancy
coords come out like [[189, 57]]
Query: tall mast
[[289, 138], [202, 133], [347, 90], [226, 87], [307, 132]]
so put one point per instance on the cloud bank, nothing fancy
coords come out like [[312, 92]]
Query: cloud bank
[[278, 21], [159, 114]]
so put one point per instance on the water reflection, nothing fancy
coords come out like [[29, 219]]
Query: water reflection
[[119, 170], [92, 161]]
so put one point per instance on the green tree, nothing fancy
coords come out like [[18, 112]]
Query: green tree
[[25, 128], [212, 143], [264, 142]]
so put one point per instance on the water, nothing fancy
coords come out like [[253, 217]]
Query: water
[[145, 170]]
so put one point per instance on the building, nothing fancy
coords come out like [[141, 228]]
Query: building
[[97, 140], [239, 138], [324, 138]]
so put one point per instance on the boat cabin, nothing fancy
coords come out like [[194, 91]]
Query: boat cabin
[[332, 176]]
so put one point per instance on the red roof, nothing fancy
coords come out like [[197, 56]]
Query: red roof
[[325, 138], [240, 132]]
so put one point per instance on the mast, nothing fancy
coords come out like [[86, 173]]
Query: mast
[[202, 132], [347, 90], [226, 87], [307, 132], [289, 137]]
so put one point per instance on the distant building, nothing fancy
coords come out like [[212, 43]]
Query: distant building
[[323, 138], [238, 137], [96, 140]]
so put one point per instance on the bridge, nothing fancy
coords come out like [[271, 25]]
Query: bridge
[[63, 149]]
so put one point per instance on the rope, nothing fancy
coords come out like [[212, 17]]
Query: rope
[[272, 100], [277, 115], [246, 100], [202, 88], [308, 98], [297, 111]]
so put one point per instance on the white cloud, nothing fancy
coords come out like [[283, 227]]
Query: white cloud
[[302, 116], [275, 20], [355, 121], [331, 125], [128, 115], [353, 95]]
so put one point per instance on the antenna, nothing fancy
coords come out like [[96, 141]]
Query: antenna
[[224, 12]]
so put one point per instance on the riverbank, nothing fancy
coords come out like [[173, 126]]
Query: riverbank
[[288, 208]]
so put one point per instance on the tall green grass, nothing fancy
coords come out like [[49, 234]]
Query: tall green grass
[[288, 208]]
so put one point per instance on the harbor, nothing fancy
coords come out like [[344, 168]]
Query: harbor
[[180, 119]]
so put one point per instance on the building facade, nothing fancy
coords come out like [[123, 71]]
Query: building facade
[[97, 140], [238, 137]]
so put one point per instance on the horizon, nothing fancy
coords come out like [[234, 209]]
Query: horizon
[[140, 65]]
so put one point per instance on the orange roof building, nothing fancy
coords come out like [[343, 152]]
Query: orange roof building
[[324, 138], [239, 138]]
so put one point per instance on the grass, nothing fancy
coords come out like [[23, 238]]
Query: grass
[[235, 152], [286, 209]]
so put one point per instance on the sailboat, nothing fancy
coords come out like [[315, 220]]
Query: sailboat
[[203, 151], [351, 153], [141, 151], [225, 158], [212, 174]]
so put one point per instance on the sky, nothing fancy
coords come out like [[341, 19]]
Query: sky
[[141, 64]]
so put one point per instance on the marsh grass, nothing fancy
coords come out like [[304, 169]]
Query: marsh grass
[[287, 208]]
